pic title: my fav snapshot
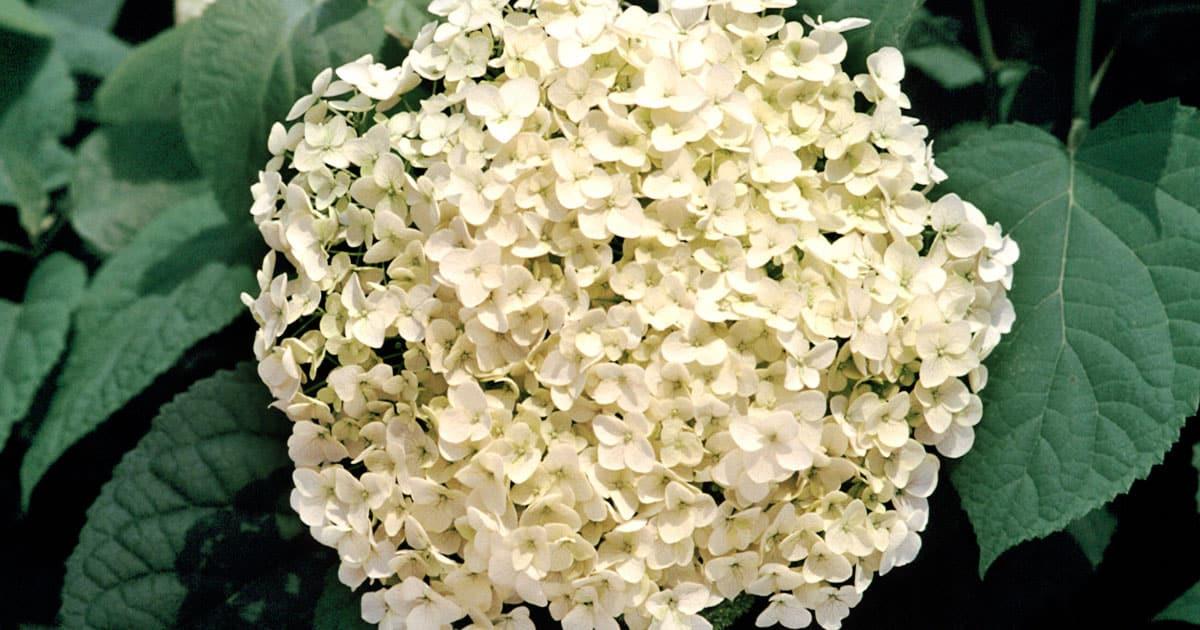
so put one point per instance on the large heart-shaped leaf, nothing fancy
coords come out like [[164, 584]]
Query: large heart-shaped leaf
[[191, 531], [1101, 369]]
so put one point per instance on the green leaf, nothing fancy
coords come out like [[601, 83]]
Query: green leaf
[[957, 134], [18, 17], [890, 21], [145, 87], [928, 29], [1093, 384], [42, 110], [729, 613], [1185, 609], [176, 283], [124, 176], [181, 529], [244, 66], [1093, 532], [87, 49], [403, 19], [1196, 465], [96, 14], [9, 248], [44, 107], [25, 39], [339, 608], [1009, 80], [34, 334], [51, 163], [953, 67]]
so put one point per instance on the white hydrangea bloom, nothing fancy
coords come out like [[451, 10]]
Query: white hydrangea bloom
[[633, 313], [190, 9]]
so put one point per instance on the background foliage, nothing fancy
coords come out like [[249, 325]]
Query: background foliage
[[144, 482]]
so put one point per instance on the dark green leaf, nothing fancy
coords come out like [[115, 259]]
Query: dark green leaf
[[25, 38], [339, 607], [1093, 384], [87, 49], [1196, 465], [97, 14], [177, 282], [1185, 609], [145, 87], [245, 65], [9, 248], [952, 137], [730, 613], [39, 111], [184, 532], [403, 19], [124, 176], [953, 67], [890, 21], [16, 17], [1093, 532], [928, 29], [35, 333]]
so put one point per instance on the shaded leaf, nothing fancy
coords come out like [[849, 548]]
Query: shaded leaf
[[244, 66], [145, 87], [176, 283], [25, 39], [1186, 608], [953, 67], [124, 176], [403, 19], [16, 17], [87, 49], [52, 164], [339, 607], [948, 138], [1093, 532], [730, 613], [190, 514], [40, 110], [928, 29], [1101, 368], [97, 14], [6, 247], [34, 334]]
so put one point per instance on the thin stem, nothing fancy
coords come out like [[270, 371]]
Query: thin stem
[[1081, 110], [1098, 78], [991, 62], [986, 48]]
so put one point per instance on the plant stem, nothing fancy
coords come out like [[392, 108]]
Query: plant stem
[[1081, 111], [986, 48], [991, 62], [1100, 72]]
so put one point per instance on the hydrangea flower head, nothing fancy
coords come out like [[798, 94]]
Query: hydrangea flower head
[[633, 313]]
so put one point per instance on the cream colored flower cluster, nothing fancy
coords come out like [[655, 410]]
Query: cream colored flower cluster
[[634, 313]]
